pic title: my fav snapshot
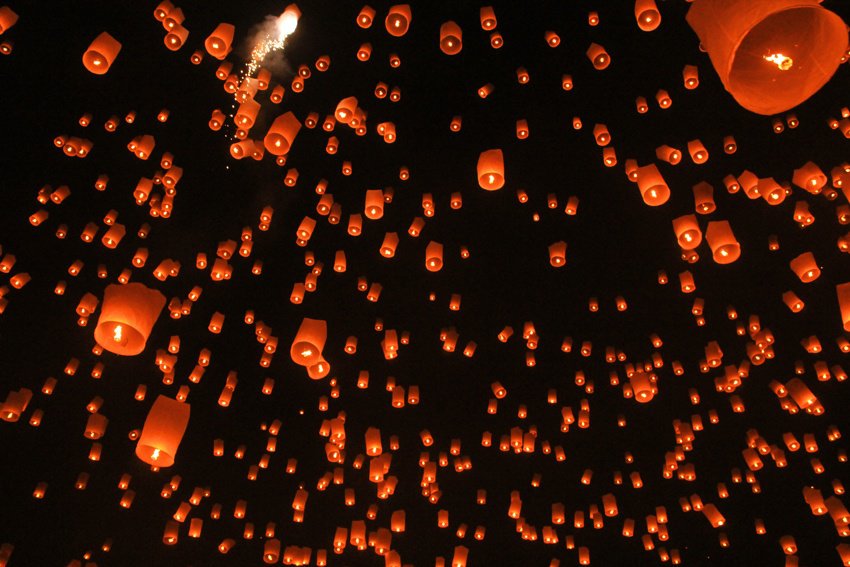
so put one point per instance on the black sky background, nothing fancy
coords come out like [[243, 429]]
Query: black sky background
[[616, 247]]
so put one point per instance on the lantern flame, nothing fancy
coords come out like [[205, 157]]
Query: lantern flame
[[117, 333], [783, 62], [155, 454]]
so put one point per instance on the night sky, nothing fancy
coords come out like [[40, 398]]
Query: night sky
[[617, 247]]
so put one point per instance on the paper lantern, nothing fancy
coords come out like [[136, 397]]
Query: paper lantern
[[219, 41], [598, 56], [771, 55], [647, 15], [309, 341], [7, 18], [805, 267], [434, 256], [101, 53], [688, 234], [15, 404], [488, 18], [451, 38], [653, 188], [163, 430], [281, 134], [127, 317], [843, 292], [558, 254], [398, 20], [176, 37], [641, 386], [724, 248], [491, 170]]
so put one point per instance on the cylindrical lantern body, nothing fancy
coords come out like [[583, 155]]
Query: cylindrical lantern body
[[647, 15], [163, 430], [309, 341], [491, 170], [771, 55], [281, 134], [218, 42], [724, 248], [451, 38], [101, 53], [653, 188], [127, 317]]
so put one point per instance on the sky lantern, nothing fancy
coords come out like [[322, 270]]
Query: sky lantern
[[451, 38], [398, 20], [805, 267], [366, 17], [653, 188], [491, 170], [487, 15], [281, 134], [218, 44], [127, 316], [771, 55], [647, 15], [724, 248], [7, 18], [309, 341], [843, 292], [688, 234], [162, 432], [101, 53], [598, 56], [434, 256], [558, 254]]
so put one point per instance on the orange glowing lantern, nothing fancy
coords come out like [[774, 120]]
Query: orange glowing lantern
[[771, 55], [653, 188], [451, 38], [218, 42], [101, 53], [163, 430], [281, 134], [127, 317], [491, 170], [724, 248], [398, 20], [647, 15], [309, 341]]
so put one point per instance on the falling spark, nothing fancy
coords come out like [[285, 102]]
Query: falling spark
[[782, 61]]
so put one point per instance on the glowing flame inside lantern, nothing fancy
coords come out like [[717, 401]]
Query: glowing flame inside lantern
[[155, 454], [783, 62], [117, 333]]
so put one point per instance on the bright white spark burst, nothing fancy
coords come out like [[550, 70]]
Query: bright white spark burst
[[284, 26]]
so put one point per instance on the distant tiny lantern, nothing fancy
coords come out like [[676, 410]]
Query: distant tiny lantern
[[127, 317]]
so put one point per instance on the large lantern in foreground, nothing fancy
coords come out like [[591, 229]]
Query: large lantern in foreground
[[127, 317], [163, 430], [770, 54]]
